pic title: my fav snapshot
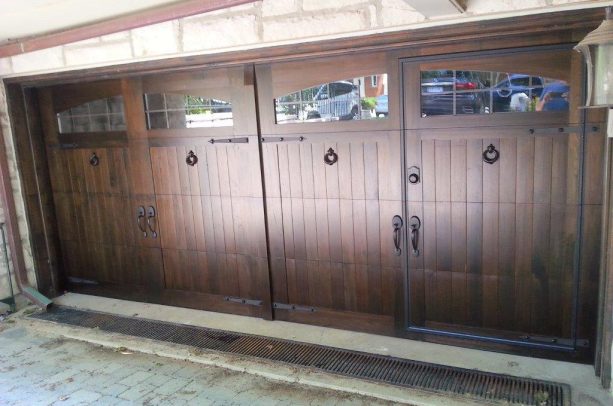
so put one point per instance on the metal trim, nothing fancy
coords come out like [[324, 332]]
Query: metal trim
[[238, 140], [240, 300], [293, 307]]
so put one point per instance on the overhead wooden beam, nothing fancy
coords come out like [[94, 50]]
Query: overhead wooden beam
[[123, 23]]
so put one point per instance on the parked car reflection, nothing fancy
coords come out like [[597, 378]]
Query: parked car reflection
[[439, 90]]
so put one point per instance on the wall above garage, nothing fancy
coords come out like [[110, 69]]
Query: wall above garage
[[264, 24]]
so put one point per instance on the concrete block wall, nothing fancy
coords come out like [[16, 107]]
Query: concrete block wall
[[260, 24]]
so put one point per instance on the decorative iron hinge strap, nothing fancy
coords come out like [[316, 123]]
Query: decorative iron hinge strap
[[562, 130], [581, 342], [238, 140], [283, 139], [240, 300], [292, 307]]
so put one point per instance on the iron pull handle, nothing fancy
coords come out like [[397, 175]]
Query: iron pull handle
[[151, 216], [397, 225], [414, 226], [140, 214]]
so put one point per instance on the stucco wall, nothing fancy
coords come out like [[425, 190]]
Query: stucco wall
[[261, 24]]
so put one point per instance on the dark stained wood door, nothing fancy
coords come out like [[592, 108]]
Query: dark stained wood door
[[330, 225], [182, 148], [499, 250], [211, 213], [97, 181]]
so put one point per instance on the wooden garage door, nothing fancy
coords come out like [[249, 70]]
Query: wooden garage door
[[332, 181], [172, 210], [498, 218]]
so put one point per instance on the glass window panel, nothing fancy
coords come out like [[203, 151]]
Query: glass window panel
[[157, 120], [100, 123], [98, 107], [186, 111], [472, 103], [118, 122], [65, 122], [80, 124], [360, 98], [96, 116], [451, 92], [154, 102]]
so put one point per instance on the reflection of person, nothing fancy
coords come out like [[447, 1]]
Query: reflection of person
[[554, 98], [519, 102]]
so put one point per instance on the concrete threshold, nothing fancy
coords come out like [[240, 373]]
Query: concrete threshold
[[584, 384]]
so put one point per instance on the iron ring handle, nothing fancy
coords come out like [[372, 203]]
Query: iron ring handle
[[191, 159], [330, 157], [142, 228], [94, 160], [491, 154]]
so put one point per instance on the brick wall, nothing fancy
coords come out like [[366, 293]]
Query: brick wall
[[261, 24]]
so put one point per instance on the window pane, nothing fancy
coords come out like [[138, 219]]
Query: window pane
[[451, 92], [167, 110], [361, 98], [96, 116]]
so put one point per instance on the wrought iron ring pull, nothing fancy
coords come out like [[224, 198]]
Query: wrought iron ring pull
[[330, 157], [140, 214], [94, 160], [150, 217], [191, 159], [491, 154]]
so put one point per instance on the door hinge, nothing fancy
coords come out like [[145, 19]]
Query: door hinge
[[81, 281], [238, 140], [293, 307], [240, 300], [283, 139], [561, 130], [580, 342]]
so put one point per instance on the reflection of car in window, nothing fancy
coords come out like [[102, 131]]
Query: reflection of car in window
[[515, 84], [338, 99], [554, 97], [437, 93]]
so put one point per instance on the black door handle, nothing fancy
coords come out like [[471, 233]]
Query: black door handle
[[140, 214], [415, 225], [397, 224], [151, 216]]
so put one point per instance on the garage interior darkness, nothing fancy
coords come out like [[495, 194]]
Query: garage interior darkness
[[273, 183]]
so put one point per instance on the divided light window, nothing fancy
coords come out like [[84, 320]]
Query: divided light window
[[454, 92], [101, 115], [176, 111], [361, 98]]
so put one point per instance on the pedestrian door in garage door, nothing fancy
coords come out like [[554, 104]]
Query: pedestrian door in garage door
[[502, 235]]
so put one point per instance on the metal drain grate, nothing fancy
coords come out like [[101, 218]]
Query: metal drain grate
[[395, 371]]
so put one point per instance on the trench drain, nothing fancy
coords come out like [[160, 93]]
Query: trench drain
[[441, 379]]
